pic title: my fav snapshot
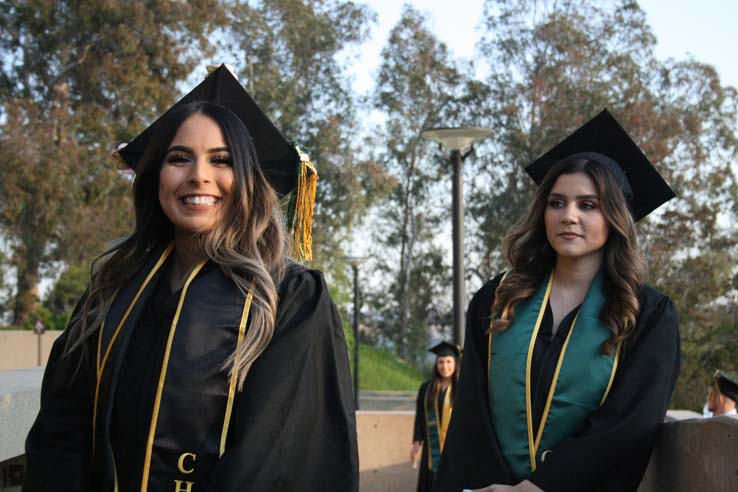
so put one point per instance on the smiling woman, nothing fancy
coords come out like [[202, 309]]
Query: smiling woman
[[196, 176], [201, 357]]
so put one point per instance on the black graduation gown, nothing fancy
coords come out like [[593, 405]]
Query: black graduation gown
[[425, 474], [292, 427], [613, 450]]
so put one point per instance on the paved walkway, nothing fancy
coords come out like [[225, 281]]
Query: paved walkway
[[387, 400]]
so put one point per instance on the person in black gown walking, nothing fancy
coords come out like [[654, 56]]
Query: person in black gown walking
[[433, 410]]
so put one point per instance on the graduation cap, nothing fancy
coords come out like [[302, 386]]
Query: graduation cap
[[284, 165], [726, 385], [602, 139], [444, 349]]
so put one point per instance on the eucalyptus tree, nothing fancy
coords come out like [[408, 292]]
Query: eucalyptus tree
[[292, 57], [418, 86], [76, 78]]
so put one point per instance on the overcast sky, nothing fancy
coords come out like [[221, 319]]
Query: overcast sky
[[704, 29]]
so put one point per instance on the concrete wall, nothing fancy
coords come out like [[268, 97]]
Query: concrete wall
[[19, 403], [385, 440], [695, 454], [19, 348]]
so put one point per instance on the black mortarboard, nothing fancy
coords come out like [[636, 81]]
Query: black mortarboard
[[444, 349], [727, 385], [603, 140], [283, 164]]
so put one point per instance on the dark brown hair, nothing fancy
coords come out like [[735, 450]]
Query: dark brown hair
[[531, 257], [247, 242]]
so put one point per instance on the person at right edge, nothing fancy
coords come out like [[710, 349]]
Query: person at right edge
[[570, 359], [722, 395]]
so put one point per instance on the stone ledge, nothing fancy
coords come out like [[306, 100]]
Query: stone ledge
[[694, 454], [19, 403]]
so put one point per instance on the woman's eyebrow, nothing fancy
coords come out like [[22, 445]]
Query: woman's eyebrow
[[179, 148], [578, 197], [183, 148], [219, 149]]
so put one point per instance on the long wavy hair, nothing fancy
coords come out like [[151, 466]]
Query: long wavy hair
[[531, 257], [247, 242], [437, 379]]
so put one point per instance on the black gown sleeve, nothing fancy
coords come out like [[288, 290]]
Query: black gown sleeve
[[59, 444], [293, 426], [612, 453], [471, 456], [419, 432]]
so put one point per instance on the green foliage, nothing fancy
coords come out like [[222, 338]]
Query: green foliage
[[380, 368], [383, 370], [68, 289], [52, 320], [711, 348], [289, 53], [77, 78]]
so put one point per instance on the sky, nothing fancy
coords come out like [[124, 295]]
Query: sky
[[704, 29]]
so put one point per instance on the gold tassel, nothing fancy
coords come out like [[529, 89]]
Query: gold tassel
[[301, 230]]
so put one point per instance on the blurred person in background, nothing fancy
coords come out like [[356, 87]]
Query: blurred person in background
[[433, 409]]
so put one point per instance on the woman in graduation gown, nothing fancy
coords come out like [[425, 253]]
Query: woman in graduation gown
[[200, 358], [570, 360], [433, 412]]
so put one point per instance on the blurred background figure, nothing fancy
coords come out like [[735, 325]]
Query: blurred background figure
[[722, 395], [433, 412]]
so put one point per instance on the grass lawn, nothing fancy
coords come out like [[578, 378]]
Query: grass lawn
[[382, 370]]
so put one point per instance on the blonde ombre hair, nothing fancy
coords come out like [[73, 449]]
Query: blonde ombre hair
[[247, 243]]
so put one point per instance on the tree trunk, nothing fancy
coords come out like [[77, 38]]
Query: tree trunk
[[406, 253], [26, 298]]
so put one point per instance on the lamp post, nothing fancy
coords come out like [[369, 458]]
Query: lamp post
[[355, 262], [39, 328], [459, 142]]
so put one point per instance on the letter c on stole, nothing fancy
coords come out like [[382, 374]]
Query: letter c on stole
[[181, 462]]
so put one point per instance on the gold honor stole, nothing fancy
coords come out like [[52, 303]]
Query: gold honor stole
[[580, 383], [194, 398], [436, 433]]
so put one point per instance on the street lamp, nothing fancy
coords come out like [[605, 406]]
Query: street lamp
[[459, 142], [39, 328], [355, 262]]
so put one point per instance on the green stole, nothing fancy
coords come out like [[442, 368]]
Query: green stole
[[436, 431], [570, 400]]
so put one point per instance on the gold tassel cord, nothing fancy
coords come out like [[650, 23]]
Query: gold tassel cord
[[302, 224]]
